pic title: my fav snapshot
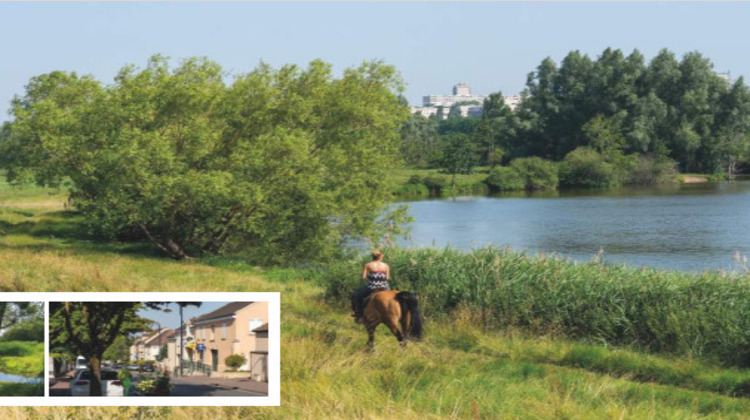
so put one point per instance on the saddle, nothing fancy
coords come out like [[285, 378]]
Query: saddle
[[372, 292]]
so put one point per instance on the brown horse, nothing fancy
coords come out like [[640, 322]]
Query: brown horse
[[392, 307]]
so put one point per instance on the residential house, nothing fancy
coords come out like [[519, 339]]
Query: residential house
[[229, 330], [259, 356]]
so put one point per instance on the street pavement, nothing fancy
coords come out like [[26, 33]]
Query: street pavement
[[190, 386]]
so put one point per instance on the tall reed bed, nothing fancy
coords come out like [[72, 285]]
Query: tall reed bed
[[703, 315]]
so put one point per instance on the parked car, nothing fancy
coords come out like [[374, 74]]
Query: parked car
[[81, 364], [147, 368], [133, 366], [111, 384]]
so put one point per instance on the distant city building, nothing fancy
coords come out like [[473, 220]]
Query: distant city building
[[461, 94], [468, 105]]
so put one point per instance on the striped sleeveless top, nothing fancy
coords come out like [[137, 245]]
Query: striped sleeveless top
[[377, 280]]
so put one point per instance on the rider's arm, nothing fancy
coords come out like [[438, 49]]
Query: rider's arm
[[364, 273], [387, 272]]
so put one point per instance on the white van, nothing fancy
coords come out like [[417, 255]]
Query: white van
[[81, 363]]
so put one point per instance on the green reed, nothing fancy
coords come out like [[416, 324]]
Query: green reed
[[704, 315]]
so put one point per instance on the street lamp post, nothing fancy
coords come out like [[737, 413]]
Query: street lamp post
[[182, 344]]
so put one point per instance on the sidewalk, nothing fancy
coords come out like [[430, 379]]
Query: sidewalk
[[243, 384]]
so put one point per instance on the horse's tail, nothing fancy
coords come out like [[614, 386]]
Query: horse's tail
[[410, 306]]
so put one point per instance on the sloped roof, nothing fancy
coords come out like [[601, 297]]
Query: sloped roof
[[262, 328], [225, 310], [160, 338]]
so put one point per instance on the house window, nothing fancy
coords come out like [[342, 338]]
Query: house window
[[224, 331], [213, 332], [255, 323]]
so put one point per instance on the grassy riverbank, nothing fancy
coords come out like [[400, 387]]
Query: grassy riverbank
[[459, 370], [700, 315], [410, 183]]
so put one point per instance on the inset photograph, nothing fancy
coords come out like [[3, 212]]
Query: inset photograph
[[21, 349], [181, 349]]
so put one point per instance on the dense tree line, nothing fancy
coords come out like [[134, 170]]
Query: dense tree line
[[624, 112]]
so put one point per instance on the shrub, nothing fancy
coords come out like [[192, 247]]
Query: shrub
[[124, 375], [435, 183], [585, 167], [235, 361], [412, 190], [648, 171], [27, 331], [415, 179], [503, 178], [15, 349], [538, 174]]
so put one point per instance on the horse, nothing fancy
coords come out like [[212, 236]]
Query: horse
[[392, 307]]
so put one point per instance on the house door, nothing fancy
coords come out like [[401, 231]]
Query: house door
[[215, 360]]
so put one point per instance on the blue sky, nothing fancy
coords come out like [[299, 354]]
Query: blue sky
[[491, 46], [172, 319]]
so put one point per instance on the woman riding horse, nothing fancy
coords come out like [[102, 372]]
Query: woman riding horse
[[390, 307], [376, 274]]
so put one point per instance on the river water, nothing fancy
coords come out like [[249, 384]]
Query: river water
[[6, 377], [689, 227]]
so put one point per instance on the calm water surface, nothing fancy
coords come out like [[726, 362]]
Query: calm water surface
[[684, 227], [6, 377]]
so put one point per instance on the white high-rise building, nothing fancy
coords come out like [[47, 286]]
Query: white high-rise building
[[461, 94], [469, 105]]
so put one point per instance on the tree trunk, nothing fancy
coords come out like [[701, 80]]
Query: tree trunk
[[95, 385]]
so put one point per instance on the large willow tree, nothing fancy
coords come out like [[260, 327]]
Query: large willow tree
[[288, 162]]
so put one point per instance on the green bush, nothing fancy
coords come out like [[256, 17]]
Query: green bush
[[124, 375], [435, 183], [27, 331], [649, 171], [415, 179], [412, 190], [15, 349], [585, 167], [234, 361], [538, 174], [503, 178]]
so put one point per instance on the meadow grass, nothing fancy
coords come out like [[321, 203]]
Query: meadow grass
[[458, 371], [700, 315]]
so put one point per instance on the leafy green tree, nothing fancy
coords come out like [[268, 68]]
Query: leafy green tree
[[605, 136], [162, 353], [496, 131], [119, 349], [733, 142], [290, 162], [459, 156], [420, 141], [90, 328], [13, 313]]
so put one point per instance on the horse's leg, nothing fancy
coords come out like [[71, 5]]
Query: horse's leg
[[393, 325], [371, 336]]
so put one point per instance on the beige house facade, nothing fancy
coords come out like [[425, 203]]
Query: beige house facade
[[234, 328]]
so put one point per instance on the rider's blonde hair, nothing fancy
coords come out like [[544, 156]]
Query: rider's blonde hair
[[376, 255]]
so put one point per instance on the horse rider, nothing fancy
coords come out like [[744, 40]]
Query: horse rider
[[376, 274]]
